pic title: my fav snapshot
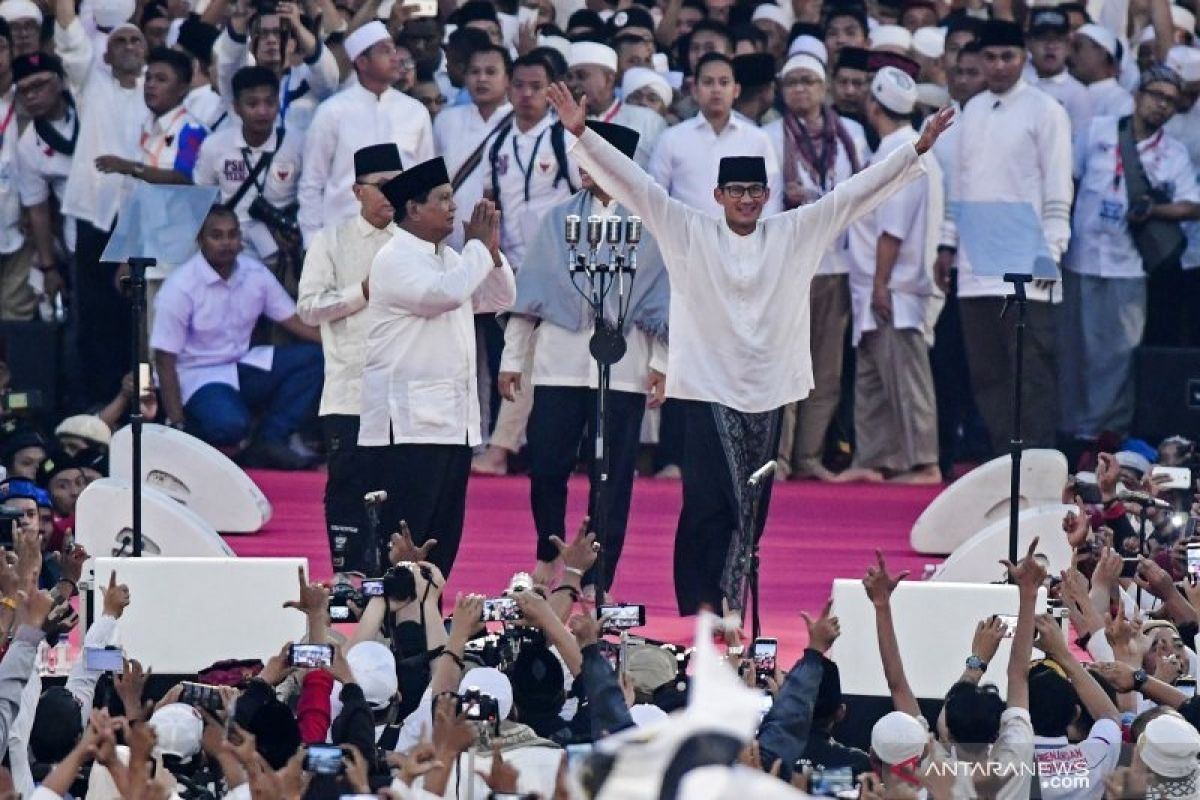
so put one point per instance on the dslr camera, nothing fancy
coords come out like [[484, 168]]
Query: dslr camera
[[281, 220], [477, 706]]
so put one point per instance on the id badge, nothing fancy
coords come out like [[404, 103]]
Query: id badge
[[1112, 214]]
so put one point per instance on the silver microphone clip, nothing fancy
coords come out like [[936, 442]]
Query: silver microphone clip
[[573, 229]]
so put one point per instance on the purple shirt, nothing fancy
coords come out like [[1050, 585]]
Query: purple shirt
[[207, 322]]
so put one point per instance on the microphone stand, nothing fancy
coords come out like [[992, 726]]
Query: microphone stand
[[1016, 445], [754, 485], [607, 344], [136, 283]]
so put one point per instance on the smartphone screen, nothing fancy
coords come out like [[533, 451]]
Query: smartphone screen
[[200, 695], [1129, 567], [501, 609], [1010, 624], [764, 654], [323, 759], [1193, 559], [101, 659], [1187, 685], [372, 588], [622, 616], [310, 655], [1172, 477]]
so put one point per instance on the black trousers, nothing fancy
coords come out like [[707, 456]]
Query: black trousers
[[103, 329], [713, 506], [351, 546], [560, 418], [427, 488]]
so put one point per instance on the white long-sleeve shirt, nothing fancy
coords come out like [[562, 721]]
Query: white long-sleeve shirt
[[754, 288], [419, 380], [1014, 147], [1110, 99], [687, 157], [1072, 95], [331, 296], [350, 120], [457, 133], [11, 238], [110, 122]]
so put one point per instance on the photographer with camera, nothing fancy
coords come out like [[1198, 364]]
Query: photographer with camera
[[1136, 184]]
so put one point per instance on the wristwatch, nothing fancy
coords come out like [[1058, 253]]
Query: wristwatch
[[735, 650], [1139, 679], [976, 663], [139, 170]]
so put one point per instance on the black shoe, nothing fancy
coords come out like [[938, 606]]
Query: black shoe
[[274, 455]]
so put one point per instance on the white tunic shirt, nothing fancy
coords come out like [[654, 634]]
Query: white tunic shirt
[[42, 170], [1185, 127], [11, 238], [1014, 147], [1101, 244], [330, 295], [526, 172], [457, 133], [1110, 99], [836, 257], [226, 162], [688, 155], [752, 289], [111, 118], [350, 120], [1072, 95], [648, 124], [419, 379], [913, 215]]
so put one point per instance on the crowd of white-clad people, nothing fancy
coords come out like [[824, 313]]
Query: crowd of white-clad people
[[382, 284]]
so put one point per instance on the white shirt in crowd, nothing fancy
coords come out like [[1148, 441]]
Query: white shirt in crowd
[[457, 132], [352, 119], [11, 238], [42, 171], [1014, 147], [111, 118], [914, 216], [836, 258], [648, 124], [1110, 98], [330, 295], [226, 162], [301, 87], [1185, 126], [1012, 750], [1101, 244], [1094, 757], [687, 157], [1072, 95], [525, 172], [207, 106], [753, 288], [419, 380]]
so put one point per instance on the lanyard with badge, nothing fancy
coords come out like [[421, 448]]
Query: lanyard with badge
[[527, 171], [8, 118], [152, 158], [1114, 208], [6, 167]]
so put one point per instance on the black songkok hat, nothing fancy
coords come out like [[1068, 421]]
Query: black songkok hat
[[742, 169], [415, 182], [1001, 33], [853, 58], [754, 69], [623, 138], [377, 158], [33, 63]]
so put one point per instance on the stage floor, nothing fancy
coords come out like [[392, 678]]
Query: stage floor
[[815, 533]]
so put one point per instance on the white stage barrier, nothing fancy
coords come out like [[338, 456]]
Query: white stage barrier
[[104, 523], [977, 559]]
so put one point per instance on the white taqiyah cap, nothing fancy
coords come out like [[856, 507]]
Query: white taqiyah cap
[[111, 13], [365, 37], [898, 737], [891, 36], [559, 43], [1183, 19], [1185, 61], [12, 10], [592, 53], [932, 95], [894, 90], [929, 42], [1101, 36], [492, 682], [645, 715], [772, 12], [178, 728], [1169, 746], [805, 62], [637, 78], [811, 45]]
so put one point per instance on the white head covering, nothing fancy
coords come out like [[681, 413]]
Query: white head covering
[[492, 682], [374, 668], [932, 95], [178, 728], [559, 43], [898, 737], [639, 78], [12, 10], [1101, 36], [111, 13], [929, 42], [1185, 61], [772, 12], [1134, 461], [592, 53], [1183, 19], [172, 31], [85, 426], [891, 36], [806, 62], [363, 38], [811, 45], [1169, 746], [645, 715], [894, 90]]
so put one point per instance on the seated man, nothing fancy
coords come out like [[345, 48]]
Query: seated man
[[210, 377]]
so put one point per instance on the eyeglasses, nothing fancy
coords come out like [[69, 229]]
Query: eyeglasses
[[795, 83], [737, 191], [1160, 97], [407, 64], [34, 87]]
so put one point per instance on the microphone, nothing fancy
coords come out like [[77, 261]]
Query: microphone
[[761, 473], [612, 230], [595, 230], [633, 230], [375, 498], [1141, 498], [574, 224]]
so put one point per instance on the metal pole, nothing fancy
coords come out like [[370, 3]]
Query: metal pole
[[1016, 444], [137, 290]]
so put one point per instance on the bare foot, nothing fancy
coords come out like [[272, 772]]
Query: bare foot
[[858, 474], [670, 471], [493, 461], [925, 476], [813, 471]]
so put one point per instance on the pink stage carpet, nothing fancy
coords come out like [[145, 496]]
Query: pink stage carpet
[[815, 533]]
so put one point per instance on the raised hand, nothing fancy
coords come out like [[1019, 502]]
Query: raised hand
[[502, 777], [988, 635], [484, 225], [824, 630], [1028, 573], [314, 597], [116, 597], [583, 550], [1049, 637], [879, 584], [130, 686], [570, 112], [403, 548], [1076, 525], [934, 127]]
